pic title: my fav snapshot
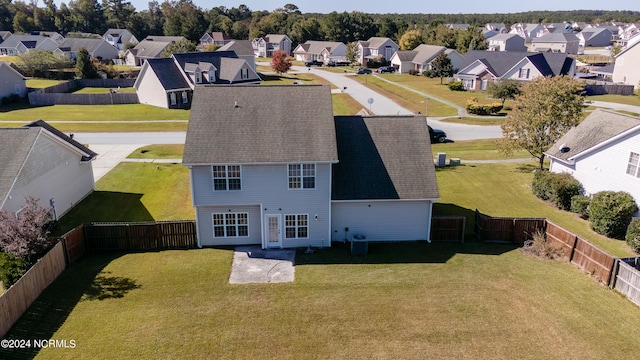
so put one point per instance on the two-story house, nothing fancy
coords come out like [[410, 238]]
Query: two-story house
[[566, 43], [215, 38], [119, 38], [267, 45], [507, 42], [270, 165], [626, 69], [376, 48]]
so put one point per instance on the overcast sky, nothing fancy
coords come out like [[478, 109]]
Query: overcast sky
[[412, 6]]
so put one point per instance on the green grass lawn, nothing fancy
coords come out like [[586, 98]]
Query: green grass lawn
[[344, 104], [621, 99], [406, 98], [291, 78], [402, 301], [165, 151], [38, 83], [485, 149], [101, 90], [485, 120]]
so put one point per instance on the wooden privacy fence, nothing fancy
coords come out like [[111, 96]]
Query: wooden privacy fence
[[608, 88], [140, 236], [17, 299], [626, 278], [60, 94], [506, 230], [448, 228], [582, 253]]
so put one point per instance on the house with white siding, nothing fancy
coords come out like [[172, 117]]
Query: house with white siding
[[420, 58], [11, 81], [19, 43], [271, 165], [169, 82], [39, 161], [97, 48], [267, 45], [626, 70], [602, 152], [243, 49], [507, 42], [119, 38], [216, 38], [376, 48], [566, 43], [320, 50]]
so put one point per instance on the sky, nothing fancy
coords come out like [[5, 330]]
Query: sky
[[413, 6]]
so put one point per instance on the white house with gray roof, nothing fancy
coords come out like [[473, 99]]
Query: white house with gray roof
[[602, 152], [97, 48], [11, 81], [376, 48], [169, 82], [267, 45], [420, 58], [19, 43], [320, 50], [270, 165], [39, 161], [119, 38], [148, 49], [595, 37], [507, 42]]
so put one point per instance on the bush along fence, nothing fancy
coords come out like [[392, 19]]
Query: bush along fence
[[60, 94]]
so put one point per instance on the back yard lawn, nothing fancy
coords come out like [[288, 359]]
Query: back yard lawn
[[402, 301]]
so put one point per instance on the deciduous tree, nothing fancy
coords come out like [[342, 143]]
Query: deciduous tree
[[84, 67], [441, 66], [546, 109], [504, 89], [280, 62], [25, 235], [410, 39], [179, 47]]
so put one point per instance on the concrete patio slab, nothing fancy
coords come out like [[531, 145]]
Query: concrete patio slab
[[251, 264]]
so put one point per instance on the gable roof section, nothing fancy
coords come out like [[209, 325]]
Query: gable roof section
[[556, 38], [316, 47], [149, 49], [600, 127], [15, 146], [240, 47], [11, 68], [88, 154], [260, 124], [75, 44], [376, 42], [375, 164], [426, 53], [169, 75], [30, 41], [275, 38], [549, 64], [406, 55]]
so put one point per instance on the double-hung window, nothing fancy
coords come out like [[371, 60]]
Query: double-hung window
[[296, 226], [227, 177], [230, 224], [302, 176], [633, 167], [524, 73]]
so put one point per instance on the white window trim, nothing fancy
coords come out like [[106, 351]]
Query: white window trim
[[225, 225], [173, 98], [301, 177], [637, 165], [296, 226], [185, 97], [226, 177]]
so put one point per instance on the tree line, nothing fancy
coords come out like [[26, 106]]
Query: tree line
[[184, 18]]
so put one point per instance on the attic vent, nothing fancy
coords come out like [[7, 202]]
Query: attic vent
[[564, 149], [236, 104]]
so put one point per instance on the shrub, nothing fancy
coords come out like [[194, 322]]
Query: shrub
[[474, 107], [559, 189], [429, 74], [11, 269], [456, 86], [540, 247], [610, 213], [541, 185], [633, 234], [413, 72], [580, 205]]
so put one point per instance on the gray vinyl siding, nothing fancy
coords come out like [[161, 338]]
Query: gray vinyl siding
[[150, 91], [205, 225], [51, 171], [9, 79], [267, 185], [381, 220]]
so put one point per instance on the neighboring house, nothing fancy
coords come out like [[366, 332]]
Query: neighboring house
[[39, 161], [18, 44], [169, 39], [626, 70], [97, 48], [507, 42], [216, 38], [119, 38], [565, 43], [55, 36], [320, 50], [603, 73], [148, 49], [482, 68], [4, 35], [499, 28], [420, 58], [527, 31], [243, 49], [603, 153], [556, 28], [267, 45], [376, 48], [629, 32], [458, 26], [270, 165], [169, 82], [598, 37], [11, 81]]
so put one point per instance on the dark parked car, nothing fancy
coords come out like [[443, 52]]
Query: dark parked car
[[313, 62], [363, 71], [338, 63], [437, 135], [386, 69]]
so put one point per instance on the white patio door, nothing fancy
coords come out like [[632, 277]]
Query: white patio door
[[274, 235]]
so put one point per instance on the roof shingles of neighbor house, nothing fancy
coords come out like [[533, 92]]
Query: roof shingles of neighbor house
[[169, 75], [75, 44], [15, 145], [374, 164], [260, 124], [240, 47], [549, 64], [601, 125], [150, 49]]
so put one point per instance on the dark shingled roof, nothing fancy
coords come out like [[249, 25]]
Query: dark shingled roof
[[15, 145], [43, 124], [383, 158], [601, 125], [260, 124], [502, 61], [170, 76]]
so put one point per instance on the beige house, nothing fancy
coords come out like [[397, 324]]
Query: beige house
[[507, 42], [564, 43], [375, 48], [320, 50], [243, 49], [626, 70], [11, 81], [420, 58]]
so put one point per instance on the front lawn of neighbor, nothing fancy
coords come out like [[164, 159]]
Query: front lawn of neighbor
[[485, 149], [294, 78], [471, 120], [344, 104], [164, 151], [401, 301], [38, 83]]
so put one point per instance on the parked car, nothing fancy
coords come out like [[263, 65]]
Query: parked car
[[363, 71], [338, 63], [437, 135], [313, 62], [386, 69]]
